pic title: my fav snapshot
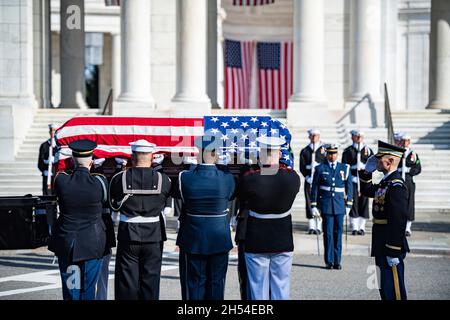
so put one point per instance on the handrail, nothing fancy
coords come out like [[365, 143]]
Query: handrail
[[107, 108], [351, 112], [388, 116]]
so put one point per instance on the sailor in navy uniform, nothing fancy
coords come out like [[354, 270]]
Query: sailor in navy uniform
[[356, 156], [79, 234], [331, 198], [45, 158], [267, 195], [204, 237], [409, 168], [310, 157], [390, 213], [140, 194]]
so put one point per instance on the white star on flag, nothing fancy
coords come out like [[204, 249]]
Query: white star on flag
[[244, 137], [244, 124], [224, 124], [234, 119], [214, 119], [264, 124], [273, 131], [286, 157], [234, 131], [254, 119], [254, 130], [252, 144], [214, 131], [224, 137]]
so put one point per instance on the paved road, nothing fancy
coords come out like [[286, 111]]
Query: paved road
[[30, 274]]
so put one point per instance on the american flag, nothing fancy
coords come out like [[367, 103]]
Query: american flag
[[171, 135], [275, 84], [238, 70], [251, 2], [239, 133]]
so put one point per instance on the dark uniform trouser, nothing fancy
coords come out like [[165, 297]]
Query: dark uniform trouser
[[138, 270], [332, 237], [177, 207], [202, 276], [360, 206], [411, 186], [386, 277], [242, 272], [307, 189], [45, 191]]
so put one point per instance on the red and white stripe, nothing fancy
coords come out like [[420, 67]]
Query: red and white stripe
[[113, 134], [238, 80], [276, 86]]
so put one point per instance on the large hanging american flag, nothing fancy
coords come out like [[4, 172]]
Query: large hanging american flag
[[237, 73], [275, 65], [252, 2]]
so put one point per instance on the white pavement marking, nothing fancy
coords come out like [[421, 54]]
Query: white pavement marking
[[52, 278]]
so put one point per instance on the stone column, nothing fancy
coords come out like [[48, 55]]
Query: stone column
[[72, 54], [365, 50], [191, 57], [116, 58], [308, 97], [135, 26], [212, 52], [390, 22], [440, 55], [17, 101]]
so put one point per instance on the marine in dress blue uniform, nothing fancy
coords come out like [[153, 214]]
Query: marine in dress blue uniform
[[390, 213], [140, 194], [79, 234], [204, 237], [266, 196], [331, 195]]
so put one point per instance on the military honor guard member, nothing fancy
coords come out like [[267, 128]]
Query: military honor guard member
[[45, 158], [356, 156], [204, 237], [310, 157], [409, 168], [390, 214], [140, 194], [331, 198], [78, 237], [268, 194]]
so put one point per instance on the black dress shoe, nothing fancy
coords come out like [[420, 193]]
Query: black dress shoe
[[318, 232], [329, 266], [354, 233], [310, 231], [408, 234], [361, 232], [337, 267]]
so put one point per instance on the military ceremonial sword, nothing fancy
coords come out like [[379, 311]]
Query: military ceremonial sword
[[317, 236], [50, 162], [396, 283]]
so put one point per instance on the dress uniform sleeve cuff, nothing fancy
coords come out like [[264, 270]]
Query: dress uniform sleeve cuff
[[393, 247], [313, 204]]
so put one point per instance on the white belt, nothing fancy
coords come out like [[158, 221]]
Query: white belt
[[334, 189], [268, 216], [207, 215], [138, 219], [355, 166], [355, 179], [308, 166]]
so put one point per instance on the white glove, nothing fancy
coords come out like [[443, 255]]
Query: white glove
[[167, 211], [315, 212], [361, 166], [371, 164], [347, 210], [392, 261], [309, 180]]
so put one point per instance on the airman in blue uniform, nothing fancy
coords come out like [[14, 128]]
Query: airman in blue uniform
[[204, 237], [331, 195]]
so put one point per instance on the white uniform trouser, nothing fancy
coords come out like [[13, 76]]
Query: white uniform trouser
[[269, 275], [102, 282], [315, 224], [408, 226]]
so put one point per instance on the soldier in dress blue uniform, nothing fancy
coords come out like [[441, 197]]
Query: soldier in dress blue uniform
[[140, 194], [204, 237], [266, 196], [409, 167], [45, 158], [356, 156], [390, 213], [310, 157], [79, 234], [331, 198]]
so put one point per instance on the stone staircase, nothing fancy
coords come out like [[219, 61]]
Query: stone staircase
[[22, 176]]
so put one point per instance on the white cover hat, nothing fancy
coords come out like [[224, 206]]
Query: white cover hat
[[142, 146]]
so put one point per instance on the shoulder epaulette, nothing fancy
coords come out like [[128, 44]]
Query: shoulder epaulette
[[397, 182]]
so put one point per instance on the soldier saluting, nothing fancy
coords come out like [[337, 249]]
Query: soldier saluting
[[390, 213], [310, 157], [356, 156]]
